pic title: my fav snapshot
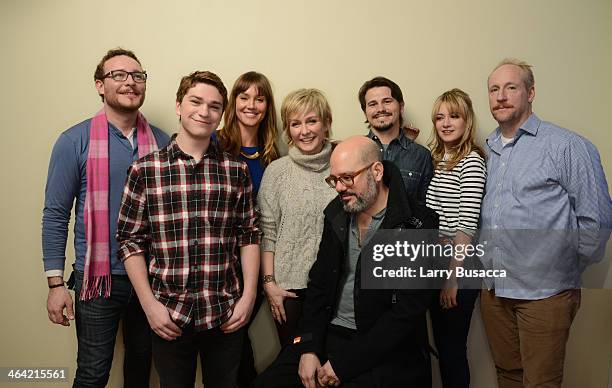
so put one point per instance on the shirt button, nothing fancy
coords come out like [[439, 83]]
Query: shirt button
[[195, 242], [494, 226], [504, 163], [497, 205], [499, 184]]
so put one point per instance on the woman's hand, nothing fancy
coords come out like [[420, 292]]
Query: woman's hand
[[448, 294], [276, 297]]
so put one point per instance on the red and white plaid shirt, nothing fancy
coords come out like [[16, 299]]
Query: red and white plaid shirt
[[190, 219]]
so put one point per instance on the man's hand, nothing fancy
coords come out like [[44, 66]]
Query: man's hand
[[276, 298], [58, 299], [240, 315], [326, 376], [309, 363], [160, 321]]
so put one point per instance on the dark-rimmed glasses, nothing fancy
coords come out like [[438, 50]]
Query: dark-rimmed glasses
[[347, 180], [122, 75]]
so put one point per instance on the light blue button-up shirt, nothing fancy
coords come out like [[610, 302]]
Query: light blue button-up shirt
[[546, 213]]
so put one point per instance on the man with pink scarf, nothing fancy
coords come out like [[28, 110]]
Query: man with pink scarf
[[87, 169]]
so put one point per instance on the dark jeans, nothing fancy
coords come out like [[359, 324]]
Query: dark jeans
[[97, 322], [176, 361], [283, 373], [450, 330]]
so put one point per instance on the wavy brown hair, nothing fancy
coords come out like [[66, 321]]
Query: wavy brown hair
[[457, 101], [229, 136]]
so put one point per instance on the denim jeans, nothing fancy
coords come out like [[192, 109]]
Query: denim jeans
[[97, 322], [450, 331]]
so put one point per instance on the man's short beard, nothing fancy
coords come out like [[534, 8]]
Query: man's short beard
[[114, 103], [383, 128], [365, 200]]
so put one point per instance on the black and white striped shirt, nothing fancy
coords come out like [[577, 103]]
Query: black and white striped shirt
[[456, 195]]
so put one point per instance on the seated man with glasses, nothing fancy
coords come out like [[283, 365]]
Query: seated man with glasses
[[87, 170], [349, 336]]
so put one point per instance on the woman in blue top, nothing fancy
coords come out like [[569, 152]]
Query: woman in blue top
[[250, 132], [250, 124]]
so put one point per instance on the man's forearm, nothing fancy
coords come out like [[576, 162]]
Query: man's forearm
[[249, 258]]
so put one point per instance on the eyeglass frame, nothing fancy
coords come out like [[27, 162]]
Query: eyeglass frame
[[350, 176], [128, 74]]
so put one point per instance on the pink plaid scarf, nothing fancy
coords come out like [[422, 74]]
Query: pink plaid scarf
[[97, 277]]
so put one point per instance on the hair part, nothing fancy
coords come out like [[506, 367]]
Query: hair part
[[305, 100], [230, 136], [528, 77], [458, 102], [201, 77], [99, 72]]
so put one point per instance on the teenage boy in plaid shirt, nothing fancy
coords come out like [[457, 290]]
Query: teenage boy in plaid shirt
[[189, 206]]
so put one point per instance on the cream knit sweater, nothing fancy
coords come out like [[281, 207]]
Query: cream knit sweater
[[291, 199]]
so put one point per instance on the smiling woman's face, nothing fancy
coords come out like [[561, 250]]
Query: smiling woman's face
[[308, 132], [250, 108]]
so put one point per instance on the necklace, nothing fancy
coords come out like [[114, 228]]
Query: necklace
[[250, 156]]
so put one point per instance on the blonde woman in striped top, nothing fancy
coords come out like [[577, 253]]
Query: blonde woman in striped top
[[455, 193]]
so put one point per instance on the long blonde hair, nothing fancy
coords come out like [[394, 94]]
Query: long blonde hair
[[457, 101], [229, 136]]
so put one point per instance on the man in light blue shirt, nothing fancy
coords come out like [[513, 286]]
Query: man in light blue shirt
[[546, 215], [121, 84]]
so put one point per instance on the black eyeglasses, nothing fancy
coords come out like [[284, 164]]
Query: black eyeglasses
[[122, 75], [347, 180]]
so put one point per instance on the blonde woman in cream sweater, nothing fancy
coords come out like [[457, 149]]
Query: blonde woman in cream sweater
[[291, 198]]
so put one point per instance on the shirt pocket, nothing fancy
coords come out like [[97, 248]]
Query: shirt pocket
[[165, 207], [411, 180]]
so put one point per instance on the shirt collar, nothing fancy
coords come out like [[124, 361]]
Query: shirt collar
[[117, 132], [131, 136], [530, 126], [175, 152], [403, 140]]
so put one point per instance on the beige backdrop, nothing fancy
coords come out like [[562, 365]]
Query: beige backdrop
[[50, 50]]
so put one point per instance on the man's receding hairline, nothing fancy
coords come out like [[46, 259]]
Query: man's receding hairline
[[370, 153]]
